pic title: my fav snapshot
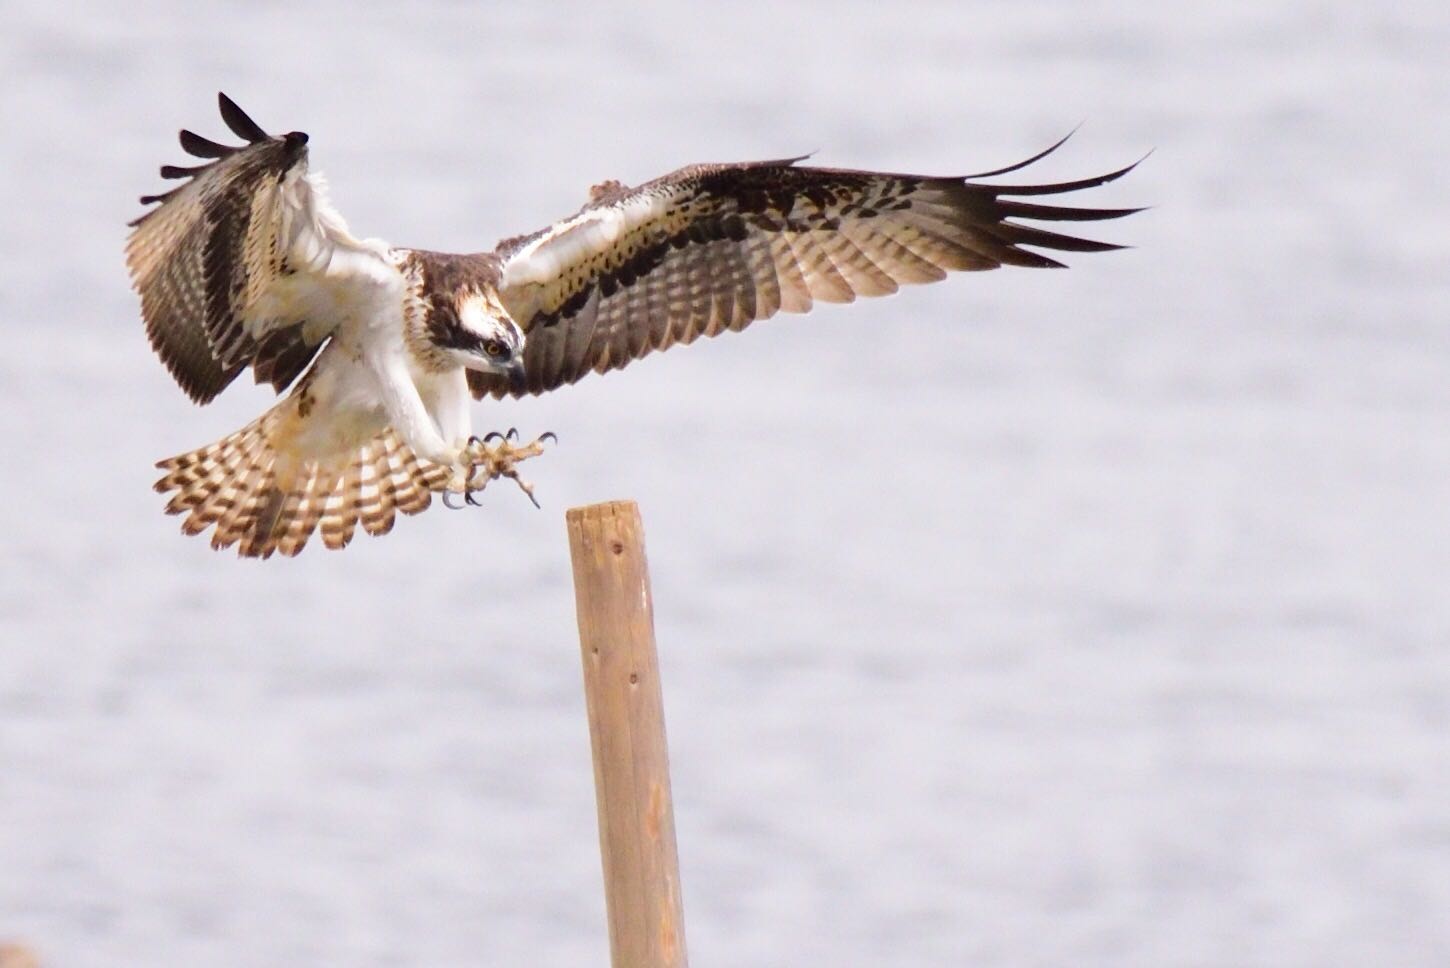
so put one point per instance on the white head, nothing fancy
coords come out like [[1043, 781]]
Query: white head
[[479, 335]]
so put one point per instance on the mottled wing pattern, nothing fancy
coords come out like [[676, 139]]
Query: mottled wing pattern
[[239, 265], [712, 248]]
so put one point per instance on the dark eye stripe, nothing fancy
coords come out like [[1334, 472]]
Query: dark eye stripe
[[455, 336]]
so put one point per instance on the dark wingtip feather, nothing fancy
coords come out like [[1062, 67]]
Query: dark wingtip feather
[[176, 171], [199, 147], [794, 159], [1016, 234], [242, 126], [1027, 259], [1059, 188], [148, 199], [1033, 160], [1064, 213]]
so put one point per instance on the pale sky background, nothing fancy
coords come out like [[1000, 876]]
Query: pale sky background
[[1091, 618]]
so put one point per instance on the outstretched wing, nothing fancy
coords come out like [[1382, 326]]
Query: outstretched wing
[[711, 248], [246, 263]]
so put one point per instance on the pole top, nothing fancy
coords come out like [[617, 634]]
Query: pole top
[[602, 510]]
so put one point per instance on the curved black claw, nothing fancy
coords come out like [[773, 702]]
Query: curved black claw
[[468, 498], [448, 504], [528, 489], [491, 436], [512, 435], [548, 435]]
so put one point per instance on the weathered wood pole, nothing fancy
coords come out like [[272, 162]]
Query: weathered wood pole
[[15, 955], [627, 732]]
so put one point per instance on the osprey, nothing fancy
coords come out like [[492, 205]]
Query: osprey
[[247, 265]]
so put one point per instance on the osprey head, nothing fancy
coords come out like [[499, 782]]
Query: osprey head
[[477, 333]]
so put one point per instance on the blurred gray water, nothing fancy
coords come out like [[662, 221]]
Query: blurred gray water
[[1080, 618]]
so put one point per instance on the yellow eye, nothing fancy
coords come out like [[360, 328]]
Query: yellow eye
[[493, 348]]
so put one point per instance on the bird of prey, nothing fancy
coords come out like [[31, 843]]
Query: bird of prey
[[246, 264]]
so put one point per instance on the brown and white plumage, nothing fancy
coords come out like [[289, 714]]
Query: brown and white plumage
[[712, 248], [255, 497], [246, 264], [236, 266]]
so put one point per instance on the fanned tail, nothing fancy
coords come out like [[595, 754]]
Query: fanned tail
[[262, 500]]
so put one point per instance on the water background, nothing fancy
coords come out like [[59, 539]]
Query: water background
[[1035, 618]]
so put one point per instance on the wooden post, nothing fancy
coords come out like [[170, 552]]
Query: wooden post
[[14, 955], [627, 732]]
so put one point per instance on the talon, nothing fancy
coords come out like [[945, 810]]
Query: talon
[[495, 455], [524, 486], [450, 505]]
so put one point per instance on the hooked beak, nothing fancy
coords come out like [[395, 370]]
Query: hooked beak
[[517, 375]]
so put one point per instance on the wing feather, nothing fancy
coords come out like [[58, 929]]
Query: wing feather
[[795, 295], [712, 248], [199, 147], [241, 125], [246, 263]]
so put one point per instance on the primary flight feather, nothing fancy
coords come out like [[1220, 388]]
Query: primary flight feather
[[246, 264]]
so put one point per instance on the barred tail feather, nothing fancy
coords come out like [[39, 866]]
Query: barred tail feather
[[265, 501]]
